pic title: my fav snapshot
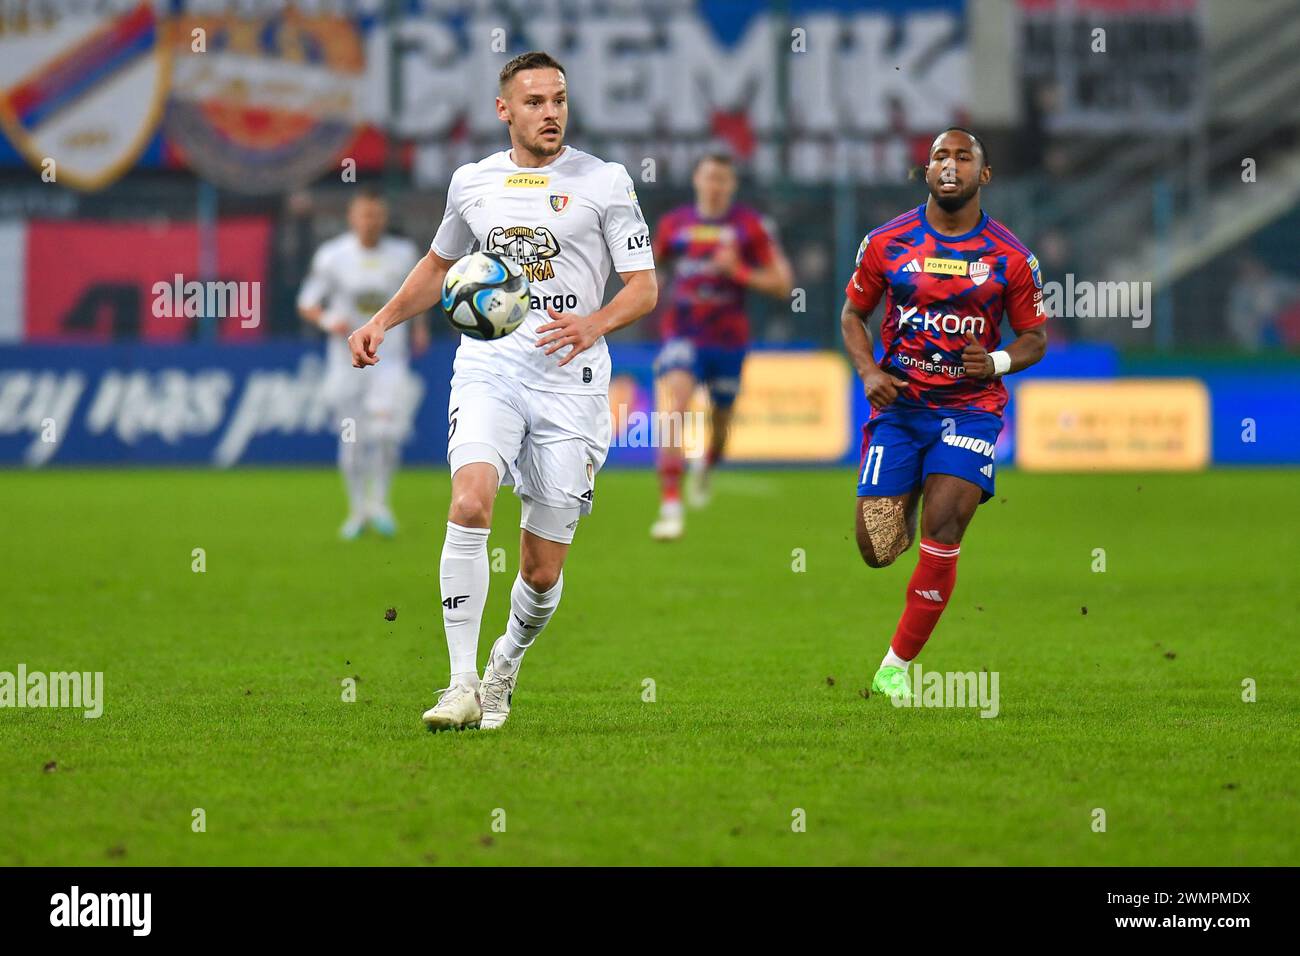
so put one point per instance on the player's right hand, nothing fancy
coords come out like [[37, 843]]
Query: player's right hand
[[364, 343], [881, 388]]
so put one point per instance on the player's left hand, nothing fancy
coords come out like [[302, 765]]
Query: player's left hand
[[567, 328], [978, 362]]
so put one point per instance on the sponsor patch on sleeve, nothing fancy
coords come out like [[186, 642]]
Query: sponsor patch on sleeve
[[1034, 271]]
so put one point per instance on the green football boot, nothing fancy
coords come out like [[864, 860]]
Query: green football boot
[[892, 681]]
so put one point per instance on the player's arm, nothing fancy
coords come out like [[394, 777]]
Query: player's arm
[[420, 291], [861, 296], [628, 240], [768, 270], [1028, 317], [881, 388], [316, 291], [637, 298]]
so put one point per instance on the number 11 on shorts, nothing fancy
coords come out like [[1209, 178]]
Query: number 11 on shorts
[[879, 452]]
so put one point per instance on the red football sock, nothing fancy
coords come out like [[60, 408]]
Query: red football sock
[[670, 477], [927, 595]]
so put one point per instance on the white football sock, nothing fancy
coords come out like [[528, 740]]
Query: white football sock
[[463, 574], [352, 464], [530, 611], [384, 457], [893, 660]]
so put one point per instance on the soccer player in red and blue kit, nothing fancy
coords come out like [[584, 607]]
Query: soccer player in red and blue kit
[[947, 274], [718, 250]]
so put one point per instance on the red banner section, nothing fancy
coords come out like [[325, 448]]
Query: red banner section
[[97, 281]]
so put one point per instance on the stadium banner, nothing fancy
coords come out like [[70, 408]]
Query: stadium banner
[[220, 404], [1127, 425], [128, 280], [1114, 66], [263, 97], [792, 407], [82, 86]]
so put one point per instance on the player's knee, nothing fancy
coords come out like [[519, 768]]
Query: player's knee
[[540, 577], [471, 509], [945, 528], [872, 559]]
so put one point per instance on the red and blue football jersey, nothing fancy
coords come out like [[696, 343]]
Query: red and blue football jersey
[[937, 290], [705, 305]]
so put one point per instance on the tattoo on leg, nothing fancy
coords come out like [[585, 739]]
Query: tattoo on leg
[[887, 527]]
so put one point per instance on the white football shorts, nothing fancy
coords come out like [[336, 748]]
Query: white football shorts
[[550, 444]]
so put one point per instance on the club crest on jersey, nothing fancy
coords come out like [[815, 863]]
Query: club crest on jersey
[[559, 203], [945, 267], [978, 271]]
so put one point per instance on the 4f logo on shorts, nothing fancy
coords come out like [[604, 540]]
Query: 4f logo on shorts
[[452, 603]]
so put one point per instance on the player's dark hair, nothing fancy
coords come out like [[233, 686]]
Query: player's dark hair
[[367, 192], [715, 156], [532, 60]]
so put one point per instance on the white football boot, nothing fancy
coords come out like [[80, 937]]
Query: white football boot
[[497, 689], [458, 708], [671, 524], [697, 482], [352, 528]]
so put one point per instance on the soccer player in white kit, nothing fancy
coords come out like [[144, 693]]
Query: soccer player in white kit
[[351, 277], [530, 409]]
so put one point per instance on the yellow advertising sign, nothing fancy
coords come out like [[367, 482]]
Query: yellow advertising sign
[[1126, 425], [793, 406]]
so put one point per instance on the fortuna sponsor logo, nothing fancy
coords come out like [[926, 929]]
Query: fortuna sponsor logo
[[527, 181], [83, 691], [940, 322], [945, 267], [103, 909], [977, 445], [952, 689]]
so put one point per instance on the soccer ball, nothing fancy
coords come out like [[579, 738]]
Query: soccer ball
[[485, 295]]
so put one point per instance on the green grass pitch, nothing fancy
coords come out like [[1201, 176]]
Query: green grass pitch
[[224, 688]]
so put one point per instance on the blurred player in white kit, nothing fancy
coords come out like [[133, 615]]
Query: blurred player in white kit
[[530, 409], [351, 277]]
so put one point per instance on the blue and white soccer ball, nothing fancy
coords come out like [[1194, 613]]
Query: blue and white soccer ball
[[485, 295]]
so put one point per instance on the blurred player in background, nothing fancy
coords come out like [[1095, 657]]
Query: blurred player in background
[[718, 250], [947, 273], [530, 409], [351, 277]]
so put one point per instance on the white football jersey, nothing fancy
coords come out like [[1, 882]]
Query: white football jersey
[[567, 224], [353, 282]]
